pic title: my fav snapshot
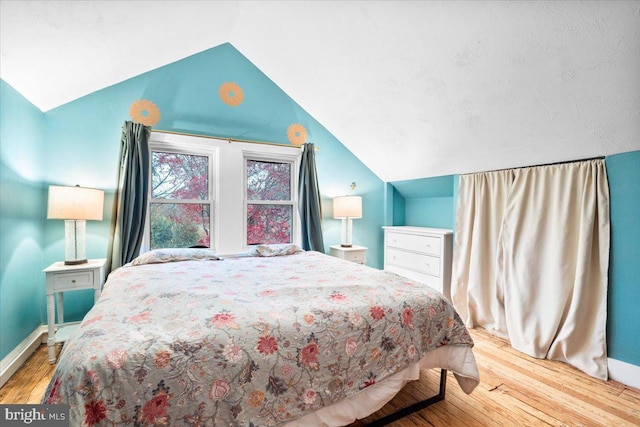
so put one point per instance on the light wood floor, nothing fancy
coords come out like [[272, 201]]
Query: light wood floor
[[515, 390]]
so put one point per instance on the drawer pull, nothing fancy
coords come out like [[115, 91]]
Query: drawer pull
[[73, 281]]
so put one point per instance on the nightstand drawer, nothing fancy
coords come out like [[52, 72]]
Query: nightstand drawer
[[77, 279], [355, 257], [357, 254]]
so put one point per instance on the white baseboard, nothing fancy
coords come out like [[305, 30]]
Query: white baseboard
[[624, 372], [12, 361]]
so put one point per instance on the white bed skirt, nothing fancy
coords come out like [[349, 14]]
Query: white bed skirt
[[458, 360]]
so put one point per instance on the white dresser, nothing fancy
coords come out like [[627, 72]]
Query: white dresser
[[420, 253]]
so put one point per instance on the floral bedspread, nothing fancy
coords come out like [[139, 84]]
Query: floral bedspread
[[245, 341]]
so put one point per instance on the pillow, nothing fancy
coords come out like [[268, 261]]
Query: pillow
[[175, 254], [275, 250]]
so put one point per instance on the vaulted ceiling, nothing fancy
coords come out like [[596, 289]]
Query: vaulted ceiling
[[414, 89]]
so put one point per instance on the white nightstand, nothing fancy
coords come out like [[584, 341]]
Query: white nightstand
[[357, 254], [62, 278]]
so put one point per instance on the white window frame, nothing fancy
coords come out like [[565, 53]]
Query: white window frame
[[188, 148], [267, 156]]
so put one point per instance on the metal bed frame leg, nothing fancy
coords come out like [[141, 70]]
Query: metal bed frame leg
[[401, 413]]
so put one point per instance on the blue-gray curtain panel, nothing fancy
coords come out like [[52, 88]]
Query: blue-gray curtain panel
[[309, 202], [130, 198]]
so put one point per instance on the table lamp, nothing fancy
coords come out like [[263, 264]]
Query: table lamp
[[347, 208], [75, 205]]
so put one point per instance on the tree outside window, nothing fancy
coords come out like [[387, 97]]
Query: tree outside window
[[180, 206], [269, 202]]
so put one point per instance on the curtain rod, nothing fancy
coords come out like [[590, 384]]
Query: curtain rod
[[250, 141], [543, 164]]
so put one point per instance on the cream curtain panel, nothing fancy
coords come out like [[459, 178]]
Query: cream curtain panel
[[531, 258]]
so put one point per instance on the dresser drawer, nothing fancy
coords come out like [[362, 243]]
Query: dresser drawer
[[412, 242], [425, 264], [77, 279]]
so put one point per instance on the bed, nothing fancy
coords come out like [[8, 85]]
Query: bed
[[284, 337]]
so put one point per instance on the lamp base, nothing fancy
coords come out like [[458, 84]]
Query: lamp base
[[75, 242], [346, 232], [76, 262]]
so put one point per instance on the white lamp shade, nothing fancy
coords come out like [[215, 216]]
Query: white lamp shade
[[75, 203], [347, 207]]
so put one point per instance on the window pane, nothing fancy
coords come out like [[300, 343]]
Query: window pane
[[179, 176], [268, 181], [269, 224], [179, 225]]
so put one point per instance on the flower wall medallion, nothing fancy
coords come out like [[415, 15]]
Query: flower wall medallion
[[231, 94], [144, 112], [297, 134]]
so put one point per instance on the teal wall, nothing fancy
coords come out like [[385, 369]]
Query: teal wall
[[83, 140], [186, 93], [425, 202], [430, 212], [623, 339], [22, 213], [393, 205]]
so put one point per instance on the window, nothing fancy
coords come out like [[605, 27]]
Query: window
[[227, 196], [269, 201], [181, 206]]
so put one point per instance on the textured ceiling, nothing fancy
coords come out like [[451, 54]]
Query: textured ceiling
[[414, 89]]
